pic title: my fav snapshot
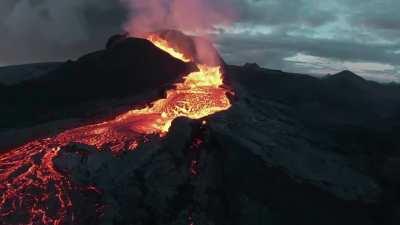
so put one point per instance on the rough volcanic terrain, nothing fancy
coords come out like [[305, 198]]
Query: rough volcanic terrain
[[291, 149]]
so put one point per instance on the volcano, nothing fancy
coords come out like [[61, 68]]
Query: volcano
[[160, 130], [30, 168]]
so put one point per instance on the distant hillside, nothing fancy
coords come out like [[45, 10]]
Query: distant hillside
[[345, 75], [14, 74], [339, 99]]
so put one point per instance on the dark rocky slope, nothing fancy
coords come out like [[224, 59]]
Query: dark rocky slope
[[264, 161]]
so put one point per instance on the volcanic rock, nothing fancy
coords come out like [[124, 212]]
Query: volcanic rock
[[116, 39], [140, 187], [391, 170], [252, 66], [293, 149]]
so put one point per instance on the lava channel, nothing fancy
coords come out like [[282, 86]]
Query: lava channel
[[34, 191]]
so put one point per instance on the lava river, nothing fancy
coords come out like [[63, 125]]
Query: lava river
[[35, 192]]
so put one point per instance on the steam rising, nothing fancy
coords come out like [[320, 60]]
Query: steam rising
[[189, 16], [198, 17]]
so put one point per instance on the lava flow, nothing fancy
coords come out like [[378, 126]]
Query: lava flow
[[33, 191]]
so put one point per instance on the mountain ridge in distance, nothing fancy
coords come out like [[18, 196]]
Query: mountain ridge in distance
[[345, 75]]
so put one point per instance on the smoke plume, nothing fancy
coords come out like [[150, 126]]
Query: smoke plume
[[198, 17], [189, 16]]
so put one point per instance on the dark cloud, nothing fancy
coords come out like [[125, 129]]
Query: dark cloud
[[46, 30], [342, 31], [282, 12], [380, 17], [286, 45]]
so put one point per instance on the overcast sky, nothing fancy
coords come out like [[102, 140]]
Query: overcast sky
[[309, 36]]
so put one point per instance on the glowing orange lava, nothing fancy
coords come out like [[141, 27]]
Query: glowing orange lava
[[165, 46], [29, 181]]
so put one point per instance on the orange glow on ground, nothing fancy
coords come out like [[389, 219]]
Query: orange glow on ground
[[29, 185]]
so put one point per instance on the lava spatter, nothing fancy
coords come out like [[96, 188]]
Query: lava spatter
[[34, 191]]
